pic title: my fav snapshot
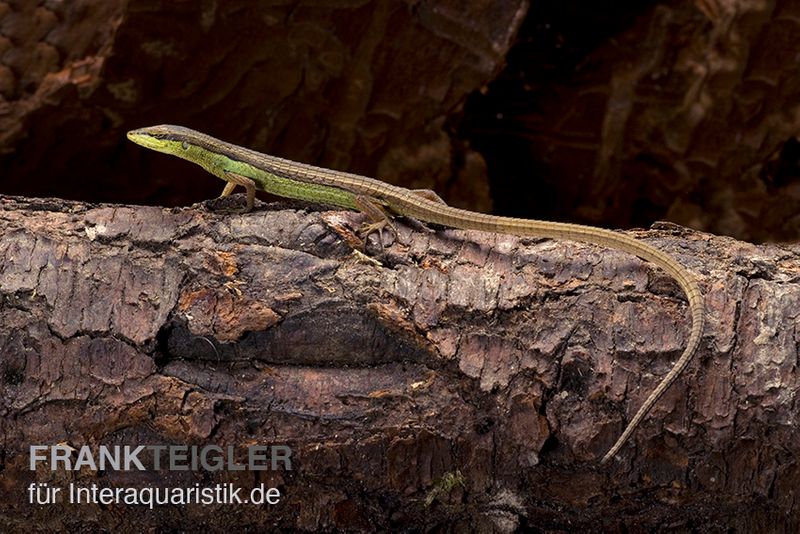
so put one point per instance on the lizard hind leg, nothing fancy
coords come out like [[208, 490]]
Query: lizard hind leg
[[375, 213], [430, 194]]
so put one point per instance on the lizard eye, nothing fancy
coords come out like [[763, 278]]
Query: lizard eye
[[185, 145]]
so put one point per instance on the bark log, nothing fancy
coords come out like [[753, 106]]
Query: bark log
[[466, 379]]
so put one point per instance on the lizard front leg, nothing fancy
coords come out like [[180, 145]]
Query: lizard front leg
[[249, 185]]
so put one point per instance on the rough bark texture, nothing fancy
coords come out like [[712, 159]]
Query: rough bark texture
[[470, 380]]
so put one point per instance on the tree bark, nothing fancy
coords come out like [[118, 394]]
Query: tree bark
[[452, 377]]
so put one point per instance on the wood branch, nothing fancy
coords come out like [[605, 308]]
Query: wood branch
[[451, 377]]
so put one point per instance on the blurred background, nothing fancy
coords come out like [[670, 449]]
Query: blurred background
[[613, 114]]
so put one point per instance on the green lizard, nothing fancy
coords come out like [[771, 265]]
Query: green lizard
[[254, 170]]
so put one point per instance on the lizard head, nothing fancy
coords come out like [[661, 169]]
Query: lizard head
[[164, 138], [183, 142]]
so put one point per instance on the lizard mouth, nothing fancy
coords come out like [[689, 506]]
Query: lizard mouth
[[147, 139]]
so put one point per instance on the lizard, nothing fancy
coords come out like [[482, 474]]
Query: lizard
[[379, 200]]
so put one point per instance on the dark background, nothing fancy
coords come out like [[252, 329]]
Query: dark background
[[612, 114]]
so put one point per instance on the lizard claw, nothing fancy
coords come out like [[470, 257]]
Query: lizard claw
[[377, 227]]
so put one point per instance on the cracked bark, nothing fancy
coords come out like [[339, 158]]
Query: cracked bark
[[510, 363]]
